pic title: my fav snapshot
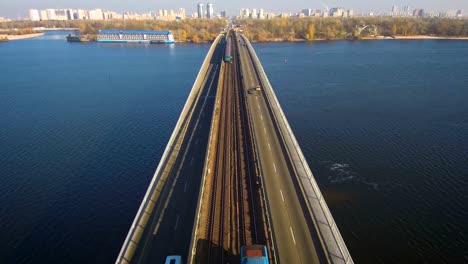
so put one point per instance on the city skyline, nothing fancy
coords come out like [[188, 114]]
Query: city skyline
[[19, 9]]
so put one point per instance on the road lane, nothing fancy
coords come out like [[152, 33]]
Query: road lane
[[170, 226], [294, 244]]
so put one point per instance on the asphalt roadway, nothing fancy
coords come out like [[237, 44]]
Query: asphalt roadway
[[295, 239], [169, 231]]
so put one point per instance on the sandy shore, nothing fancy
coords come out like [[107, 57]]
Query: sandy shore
[[416, 37], [15, 37]]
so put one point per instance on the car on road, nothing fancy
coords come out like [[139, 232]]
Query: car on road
[[257, 88], [251, 91]]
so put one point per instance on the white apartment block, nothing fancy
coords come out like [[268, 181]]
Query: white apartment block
[[34, 15]]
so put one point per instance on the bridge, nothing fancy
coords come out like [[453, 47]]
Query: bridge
[[232, 175]]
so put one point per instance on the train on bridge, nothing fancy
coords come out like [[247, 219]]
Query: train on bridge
[[254, 254], [227, 52]]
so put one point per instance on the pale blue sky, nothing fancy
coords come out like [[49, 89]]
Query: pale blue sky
[[13, 8]]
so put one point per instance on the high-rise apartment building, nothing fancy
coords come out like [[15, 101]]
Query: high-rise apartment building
[[34, 15], [307, 12], [209, 11], [95, 14], [43, 15], [261, 14], [200, 10], [254, 13], [70, 14], [51, 14]]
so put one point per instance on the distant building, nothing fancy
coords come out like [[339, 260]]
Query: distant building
[[459, 13], [245, 13], [181, 13], [254, 13], [261, 14], [96, 14], [394, 9], [43, 15], [82, 14], [223, 14], [51, 14], [418, 12], [336, 12], [307, 12], [209, 11], [34, 15], [200, 10], [61, 14], [70, 14]]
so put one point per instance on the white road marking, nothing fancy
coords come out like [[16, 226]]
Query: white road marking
[[282, 197], [185, 186], [256, 98], [177, 222], [258, 106], [191, 161], [261, 116], [269, 146], [292, 234], [264, 129], [274, 166]]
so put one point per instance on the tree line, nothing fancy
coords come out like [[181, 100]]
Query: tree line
[[205, 30], [349, 28]]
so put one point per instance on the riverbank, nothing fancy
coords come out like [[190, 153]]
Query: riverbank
[[414, 37], [25, 36]]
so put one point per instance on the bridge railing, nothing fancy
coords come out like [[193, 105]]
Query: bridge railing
[[146, 208], [328, 230]]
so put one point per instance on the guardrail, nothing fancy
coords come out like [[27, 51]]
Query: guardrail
[[328, 231], [146, 208]]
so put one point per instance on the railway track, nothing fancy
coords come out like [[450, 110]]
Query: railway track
[[232, 213]]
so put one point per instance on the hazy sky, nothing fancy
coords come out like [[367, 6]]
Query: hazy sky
[[15, 8]]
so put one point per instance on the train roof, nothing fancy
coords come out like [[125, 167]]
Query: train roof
[[255, 261], [254, 254], [147, 32]]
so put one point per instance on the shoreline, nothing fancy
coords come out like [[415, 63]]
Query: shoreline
[[414, 37], [25, 36]]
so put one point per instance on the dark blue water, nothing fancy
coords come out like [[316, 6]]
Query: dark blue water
[[82, 128], [383, 124]]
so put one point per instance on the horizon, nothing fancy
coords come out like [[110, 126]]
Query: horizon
[[19, 9]]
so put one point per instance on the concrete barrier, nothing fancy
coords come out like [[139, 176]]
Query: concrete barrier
[[330, 236], [138, 226]]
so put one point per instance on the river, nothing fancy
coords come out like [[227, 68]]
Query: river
[[383, 124]]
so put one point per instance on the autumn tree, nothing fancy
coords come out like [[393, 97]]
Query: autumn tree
[[394, 29], [311, 32]]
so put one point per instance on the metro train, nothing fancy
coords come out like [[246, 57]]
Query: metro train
[[254, 254], [227, 52]]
